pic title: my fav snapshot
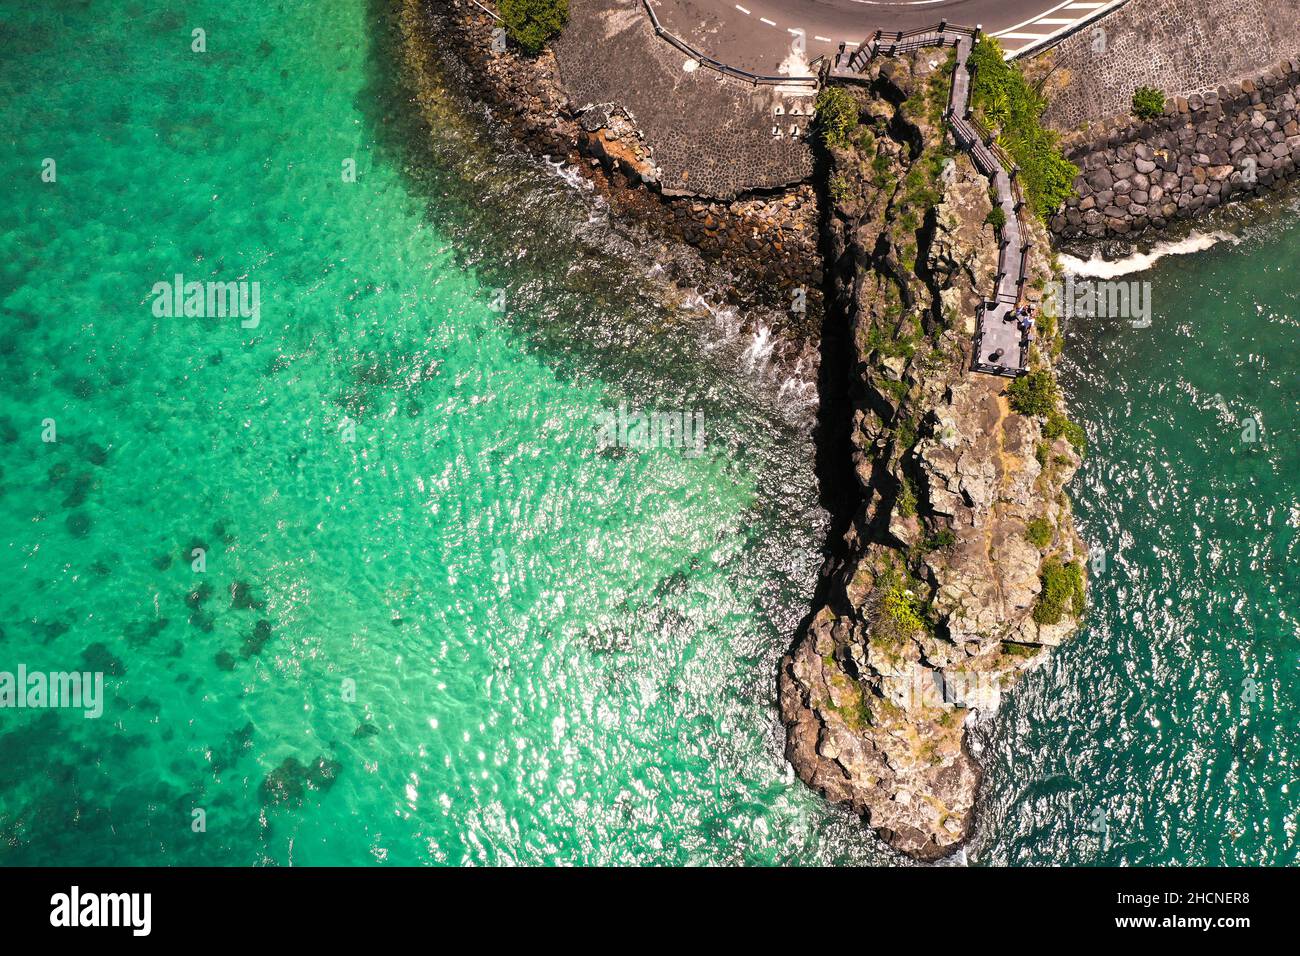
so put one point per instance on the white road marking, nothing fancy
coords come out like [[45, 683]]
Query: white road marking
[[1045, 13], [742, 9], [1023, 36], [770, 23], [823, 39]]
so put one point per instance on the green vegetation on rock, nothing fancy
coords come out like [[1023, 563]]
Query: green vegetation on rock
[[1007, 103], [837, 116], [1039, 532], [530, 23], [1058, 425], [1148, 102], [1034, 394], [1062, 591]]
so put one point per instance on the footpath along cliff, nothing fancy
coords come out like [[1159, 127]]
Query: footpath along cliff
[[959, 564]]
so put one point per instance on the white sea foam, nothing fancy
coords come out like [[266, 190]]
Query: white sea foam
[[1100, 268]]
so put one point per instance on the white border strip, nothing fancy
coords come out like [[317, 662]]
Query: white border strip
[[1053, 38]]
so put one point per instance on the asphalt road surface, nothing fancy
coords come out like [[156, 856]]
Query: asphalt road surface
[[758, 35]]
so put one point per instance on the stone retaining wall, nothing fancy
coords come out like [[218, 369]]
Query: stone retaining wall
[[1234, 141], [1177, 46]]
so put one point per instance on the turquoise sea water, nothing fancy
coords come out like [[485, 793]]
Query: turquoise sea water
[[471, 634]]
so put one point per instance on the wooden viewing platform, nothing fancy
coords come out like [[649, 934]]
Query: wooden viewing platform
[[1000, 347]]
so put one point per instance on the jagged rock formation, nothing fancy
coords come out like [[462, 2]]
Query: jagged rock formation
[[927, 609]]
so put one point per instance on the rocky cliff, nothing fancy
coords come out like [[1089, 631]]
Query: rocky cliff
[[959, 565]]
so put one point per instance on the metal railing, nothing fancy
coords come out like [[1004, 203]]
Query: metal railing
[[705, 60], [492, 13]]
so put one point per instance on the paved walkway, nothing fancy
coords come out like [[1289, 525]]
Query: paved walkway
[[1000, 347], [710, 135]]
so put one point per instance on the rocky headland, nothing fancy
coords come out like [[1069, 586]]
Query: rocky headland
[[959, 565], [954, 564]]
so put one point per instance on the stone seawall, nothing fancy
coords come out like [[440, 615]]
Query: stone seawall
[[1235, 141]]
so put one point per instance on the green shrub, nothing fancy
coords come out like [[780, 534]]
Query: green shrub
[[530, 23], [1062, 590], [1058, 425], [837, 116], [1033, 394], [940, 540], [997, 217], [838, 187], [1004, 99], [1039, 532], [901, 611], [1148, 102], [906, 499]]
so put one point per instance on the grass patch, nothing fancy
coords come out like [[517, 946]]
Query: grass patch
[[1148, 102], [837, 116], [838, 187], [1058, 426], [1062, 591], [1034, 394], [1039, 532], [530, 23], [906, 500], [940, 540], [1006, 102]]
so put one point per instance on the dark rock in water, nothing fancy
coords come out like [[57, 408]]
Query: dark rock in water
[[254, 644], [323, 772], [216, 358], [285, 785], [8, 434], [288, 783], [55, 629], [82, 485], [101, 569], [225, 660], [58, 471], [78, 385], [366, 730], [237, 743], [138, 633], [219, 529], [202, 620], [198, 596], [397, 622], [242, 597], [78, 524], [177, 649], [94, 453], [162, 562], [413, 410], [98, 658]]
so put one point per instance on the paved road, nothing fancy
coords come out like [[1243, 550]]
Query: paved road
[[758, 35]]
